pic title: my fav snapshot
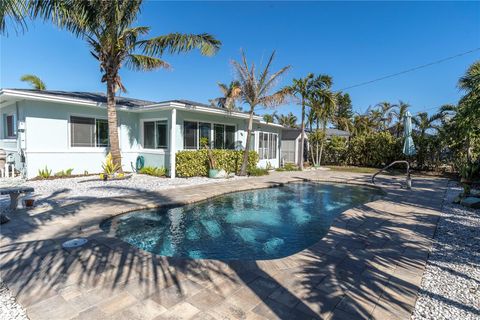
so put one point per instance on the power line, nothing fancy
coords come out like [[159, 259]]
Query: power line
[[411, 69]]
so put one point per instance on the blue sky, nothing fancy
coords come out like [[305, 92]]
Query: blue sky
[[353, 42]]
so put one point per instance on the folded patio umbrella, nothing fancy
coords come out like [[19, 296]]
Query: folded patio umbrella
[[408, 145]]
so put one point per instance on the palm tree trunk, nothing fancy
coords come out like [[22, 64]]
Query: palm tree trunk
[[243, 169], [324, 137], [302, 139], [112, 123]]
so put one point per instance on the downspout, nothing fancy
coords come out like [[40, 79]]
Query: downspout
[[173, 140]]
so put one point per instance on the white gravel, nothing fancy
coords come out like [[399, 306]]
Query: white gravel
[[9, 308], [450, 286], [75, 189]]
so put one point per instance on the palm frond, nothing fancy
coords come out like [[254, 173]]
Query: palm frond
[[178, 42], [14, 10], [34, 81], [139, 62]]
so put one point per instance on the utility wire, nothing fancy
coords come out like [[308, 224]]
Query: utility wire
[[411, 69]]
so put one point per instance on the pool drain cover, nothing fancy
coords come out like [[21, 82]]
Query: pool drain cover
[[74, 243]]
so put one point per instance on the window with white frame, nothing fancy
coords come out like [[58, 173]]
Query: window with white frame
[[10, 125], [155, 134], [220, 136], [88, 132], [267, 145]]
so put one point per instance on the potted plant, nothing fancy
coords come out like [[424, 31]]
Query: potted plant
[[212, 164]]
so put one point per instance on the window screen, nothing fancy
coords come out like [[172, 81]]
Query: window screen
[[162, 134], [149, 135], [82, 132], [102, 133], [190, 135], [229, 137]]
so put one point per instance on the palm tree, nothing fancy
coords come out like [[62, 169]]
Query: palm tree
[[231, 93], [398, 113], [114, 42], [256, 90], [323, 101], [301, 88], [424, 123], [386, 115], [15, 10], [34, 81], [270, 118], [344, 113], [288, 121]]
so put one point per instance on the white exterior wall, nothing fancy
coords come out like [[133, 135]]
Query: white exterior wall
[[47, 136]]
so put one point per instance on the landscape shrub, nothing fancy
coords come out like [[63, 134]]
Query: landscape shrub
[[289, 167], [44, 173], [258, 172], [64, 173], [194, 163], [154, 171]]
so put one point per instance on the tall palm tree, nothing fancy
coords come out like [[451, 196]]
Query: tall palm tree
[[230, 94], [344, 114], [256, 91], [14, 10], [301, 88], [34, 81], [114, 42], [288, 121], [323, 101], [398, 113]]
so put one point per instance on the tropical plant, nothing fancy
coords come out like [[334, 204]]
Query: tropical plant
[[256, 91], [301, 89], [258, 172], [231, 93], [270, 118], [322, 101], [154, 171], [44, 173], [385, 112], [64, 173], [114, 42], [205, 144], [344, 113], [288, 121], [34, 81], [109, 166], [14, 10], [398, 112], [424, 122]]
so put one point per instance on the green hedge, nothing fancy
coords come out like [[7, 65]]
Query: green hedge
[[195, 162]]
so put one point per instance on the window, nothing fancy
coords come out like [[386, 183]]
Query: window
[[190, 135], [10, 126], [88, 132], [155, 134], [220, 136], [102, 133], [268, 144], [205, 129], [229, 137]]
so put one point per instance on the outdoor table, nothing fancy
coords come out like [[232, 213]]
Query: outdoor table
[[14, 193]]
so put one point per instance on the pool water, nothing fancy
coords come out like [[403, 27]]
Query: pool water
[[252, 225]]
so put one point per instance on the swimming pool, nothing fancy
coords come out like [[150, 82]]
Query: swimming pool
[[259, 224]]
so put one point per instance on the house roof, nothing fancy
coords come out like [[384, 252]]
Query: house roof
[[293, 134], [97, 99], [100, 97]]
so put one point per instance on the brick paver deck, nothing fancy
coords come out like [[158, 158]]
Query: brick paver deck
[[369, 265]]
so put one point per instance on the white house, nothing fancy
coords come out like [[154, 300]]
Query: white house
[[62, 130]]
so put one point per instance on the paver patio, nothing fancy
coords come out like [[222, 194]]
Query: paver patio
[[369, 265]]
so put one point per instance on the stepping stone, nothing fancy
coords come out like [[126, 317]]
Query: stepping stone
[[471, 202]]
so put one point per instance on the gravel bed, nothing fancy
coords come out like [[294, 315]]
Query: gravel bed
[[56, 191], [9, 308], [450, 286]]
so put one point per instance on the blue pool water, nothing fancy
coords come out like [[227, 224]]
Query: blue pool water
[[260, 224]]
